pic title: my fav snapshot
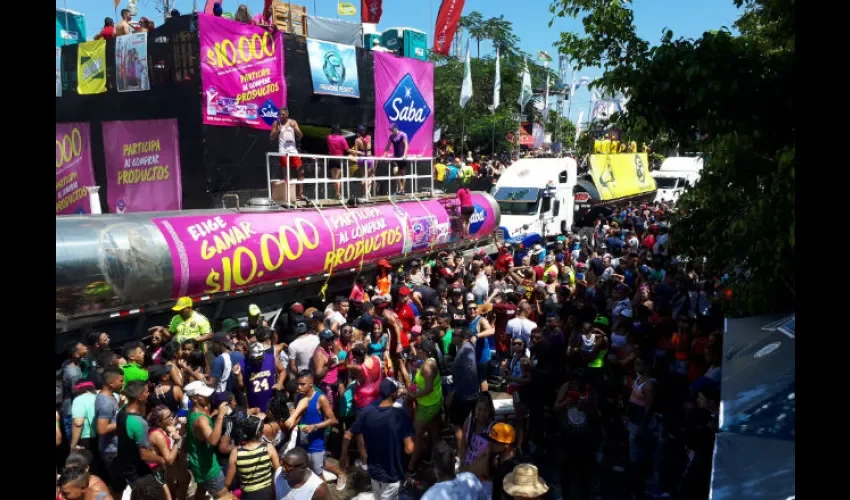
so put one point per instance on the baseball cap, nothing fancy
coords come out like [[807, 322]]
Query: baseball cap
[[301, 327], [404, 291], [503, 433], [388, 388], [229, 324], [416, 329], [309, 312], [326, 335], [470, 297], [457, 291], [254, 310], [317, 315], [223, 338], [297, 308], [415, 263], [601, 320], [536, 249], [182, 303], [198, 388]]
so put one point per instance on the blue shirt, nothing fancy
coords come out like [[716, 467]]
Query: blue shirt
[[384, 429], [217, 369], [465, 373]]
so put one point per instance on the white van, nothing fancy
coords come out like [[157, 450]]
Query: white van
[[676, 174], [535, 195]]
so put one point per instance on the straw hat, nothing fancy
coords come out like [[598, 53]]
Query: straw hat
[[524, 482]]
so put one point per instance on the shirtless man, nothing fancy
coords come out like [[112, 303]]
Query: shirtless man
[[124, 27]]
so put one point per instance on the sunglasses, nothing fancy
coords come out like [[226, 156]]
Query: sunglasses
[[517, 343], [287, 467]]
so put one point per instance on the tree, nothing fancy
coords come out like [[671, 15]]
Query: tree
[[731, 97], [476, 27], [501, 33]]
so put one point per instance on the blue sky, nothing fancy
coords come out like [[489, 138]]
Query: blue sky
[[689, 18]]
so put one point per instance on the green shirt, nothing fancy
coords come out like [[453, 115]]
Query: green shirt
[[132, 372], [83, 407], [191, 328], [447, 340], [200, 454], [137, 430]]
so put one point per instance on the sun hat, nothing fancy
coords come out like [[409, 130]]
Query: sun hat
[[525, 482]]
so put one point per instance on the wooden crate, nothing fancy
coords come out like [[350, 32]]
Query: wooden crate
[[290, 18]]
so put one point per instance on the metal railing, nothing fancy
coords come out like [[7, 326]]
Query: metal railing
[[368, 180]]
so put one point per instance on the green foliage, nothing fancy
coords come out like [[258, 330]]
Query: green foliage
[[482, 128], [736, 93]]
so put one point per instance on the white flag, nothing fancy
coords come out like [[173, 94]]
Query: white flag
[[578, 127], [525, 88], [466, 89], [497, 84], [437, 134]]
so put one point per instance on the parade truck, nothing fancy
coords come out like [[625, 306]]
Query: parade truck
[[121, 273], [542, 197], [675, 175]]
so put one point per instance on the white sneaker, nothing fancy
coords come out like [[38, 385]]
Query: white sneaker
[[340, 483]]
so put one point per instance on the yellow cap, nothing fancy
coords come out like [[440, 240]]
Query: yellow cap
[[182, 303], [502, 433], [254, 310]]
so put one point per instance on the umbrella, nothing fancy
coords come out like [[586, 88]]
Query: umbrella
[[754, 450]]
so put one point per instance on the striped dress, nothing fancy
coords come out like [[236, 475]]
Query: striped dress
[[254, 467]]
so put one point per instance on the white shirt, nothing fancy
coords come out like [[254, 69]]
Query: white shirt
[[302, 349]]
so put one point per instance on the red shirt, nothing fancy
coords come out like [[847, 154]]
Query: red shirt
[[107, 33], [503, 262], [505, 311], [465, 197], [407, 319], [475, 167], [649, 241], [337, 145]]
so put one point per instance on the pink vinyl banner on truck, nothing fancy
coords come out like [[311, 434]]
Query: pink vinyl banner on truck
[[220, 253], [242, 73], [142, 166], [404, 95], [74, 169]]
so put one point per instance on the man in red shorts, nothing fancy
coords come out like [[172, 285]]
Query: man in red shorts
[[286, 131]]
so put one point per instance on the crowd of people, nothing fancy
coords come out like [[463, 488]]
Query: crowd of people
[[551, 372]]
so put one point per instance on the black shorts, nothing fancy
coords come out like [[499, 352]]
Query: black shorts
[[460, 410], [467, 210], [401, 165]]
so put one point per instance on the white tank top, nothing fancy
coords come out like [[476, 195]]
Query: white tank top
[[306, 491], [286, 139]]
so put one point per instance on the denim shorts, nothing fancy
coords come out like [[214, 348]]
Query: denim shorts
[[214, 485]]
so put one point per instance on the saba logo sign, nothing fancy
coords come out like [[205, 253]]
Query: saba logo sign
[[269, 113], [406, 107], [479, 217]]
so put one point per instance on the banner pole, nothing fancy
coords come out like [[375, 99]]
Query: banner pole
[[493, 137], [462, 135]]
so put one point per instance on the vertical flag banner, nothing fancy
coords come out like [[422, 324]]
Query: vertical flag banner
[[497, 84], [74, 169], [466, 88], [334, 68], [546, 96], [91, 67], [131, 62], [346, 9], [525, 88], [578, 128], [242, 73], [446, 27], [404, 94], [371, 11], [58, 72], [142, 166]]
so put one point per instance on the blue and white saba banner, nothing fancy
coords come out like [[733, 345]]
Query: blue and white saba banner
[[334, 68]]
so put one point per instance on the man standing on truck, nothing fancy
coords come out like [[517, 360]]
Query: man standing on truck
[[188, 323]]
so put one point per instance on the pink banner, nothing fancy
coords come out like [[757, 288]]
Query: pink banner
[[242, 73], [73, 168], [142, 166], [404, 94], [225, 252]]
